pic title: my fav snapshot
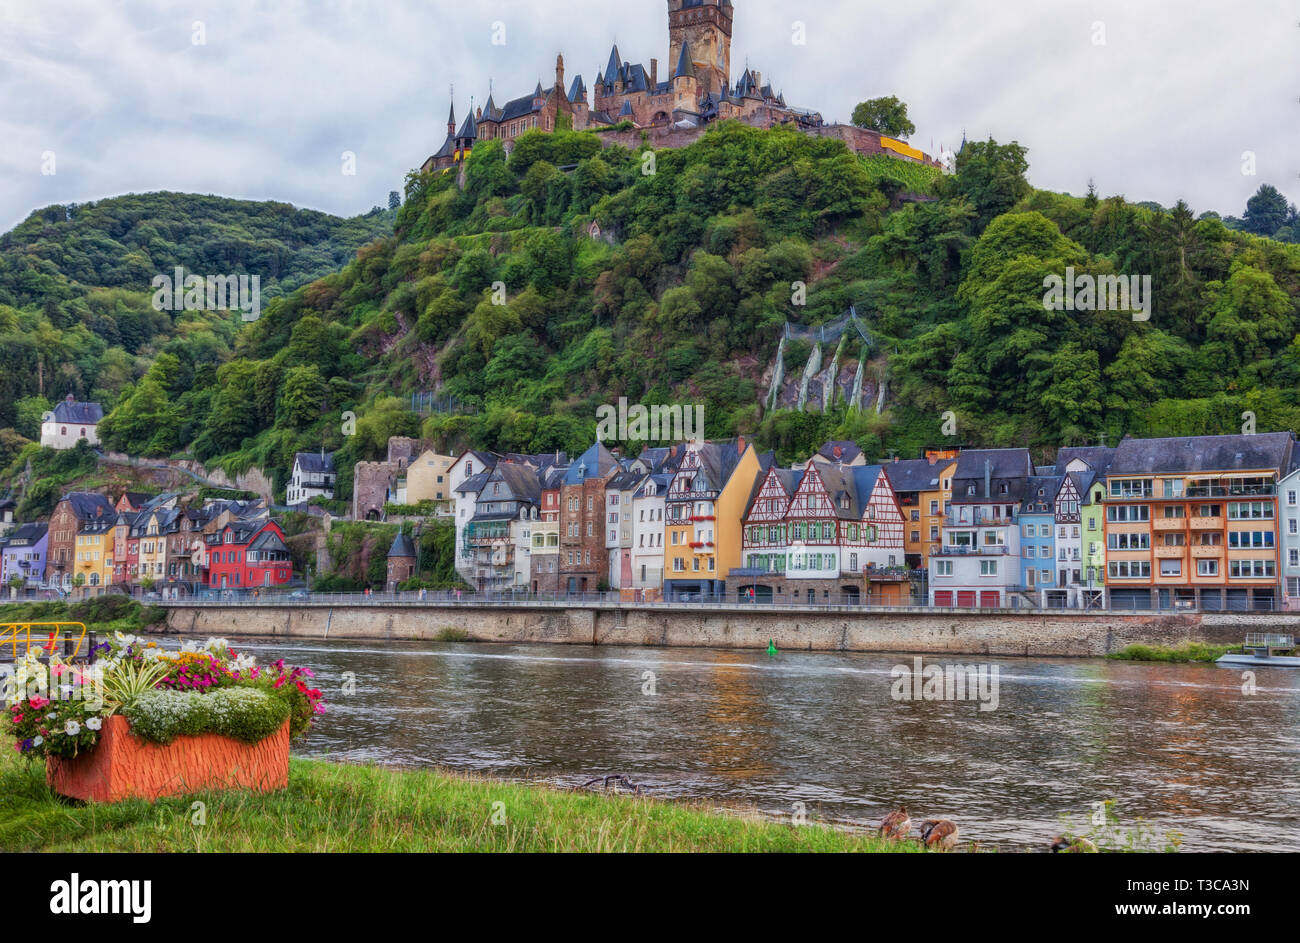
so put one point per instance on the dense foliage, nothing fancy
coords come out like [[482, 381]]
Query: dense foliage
[[76, 312], [504, 299]]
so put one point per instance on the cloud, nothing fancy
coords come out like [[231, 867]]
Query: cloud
[[128, 99]]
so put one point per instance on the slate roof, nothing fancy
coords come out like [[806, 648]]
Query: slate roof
[[474, 483], [1050, 485], [26, 535], [840, 451], [596, 462], [402, 547], [88, 504], [685, 66], [314, 463], [1010, 467], [268, 540], [1098, 457], [915, 474], [69, 410], [1260, 452]]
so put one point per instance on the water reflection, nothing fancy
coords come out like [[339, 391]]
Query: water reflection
[[1179, 745]]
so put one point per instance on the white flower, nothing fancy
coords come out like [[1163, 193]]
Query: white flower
[[72, 728], [94, 723], [37, 740], [51, 715]]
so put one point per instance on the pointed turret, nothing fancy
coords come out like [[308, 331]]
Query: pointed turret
[[614, 68], [685, 67], [451, 119]]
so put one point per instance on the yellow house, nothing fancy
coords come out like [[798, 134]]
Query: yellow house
[[924, 490], [94, 556], [704, 510], [153, 548], [428, 478]]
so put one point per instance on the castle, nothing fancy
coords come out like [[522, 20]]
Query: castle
[[696, 92]]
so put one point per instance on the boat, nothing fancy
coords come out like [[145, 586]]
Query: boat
[[1260, 650]]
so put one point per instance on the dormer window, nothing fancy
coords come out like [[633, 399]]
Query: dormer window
[[1002, 488], [970, 489]]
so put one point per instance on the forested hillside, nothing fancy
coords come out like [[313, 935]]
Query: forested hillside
[[75, 296], [683, 297]]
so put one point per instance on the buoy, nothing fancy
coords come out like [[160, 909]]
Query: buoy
[[771, 647]]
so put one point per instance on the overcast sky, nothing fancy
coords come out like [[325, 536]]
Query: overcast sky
[[1153, 99]]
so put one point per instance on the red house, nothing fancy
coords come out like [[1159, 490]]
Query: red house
[[248, 555]]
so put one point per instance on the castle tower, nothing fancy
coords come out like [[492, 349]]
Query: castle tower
[[706, 26]]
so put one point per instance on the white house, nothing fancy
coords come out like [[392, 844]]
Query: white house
[[1288, 523], [313, 477], [70, 422], [647, 515]]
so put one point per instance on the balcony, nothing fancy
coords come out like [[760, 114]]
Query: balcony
[[1169, 523], [1206, 523], [968, 551], [1200, 551], [1231, 491], [1170, 553], [978, 518]]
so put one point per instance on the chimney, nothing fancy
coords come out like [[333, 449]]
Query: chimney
[[740, 445], [988, 478], [654, 73], [758, 78]]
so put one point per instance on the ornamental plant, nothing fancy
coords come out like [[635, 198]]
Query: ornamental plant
[[59, 709]]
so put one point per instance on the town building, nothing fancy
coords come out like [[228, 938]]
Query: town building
[[1288, 490], [620, 526], [1037, 524], [73, 510], [1192, 522], [584, 561], [23, 555], [403, 563], [313, 476], [704, 508], [70, 422], [428, 478], [977, 563], [248, 555], [499, 532], [648, 535], [93, 570], [544, 556], [8, 508], [924, 490]]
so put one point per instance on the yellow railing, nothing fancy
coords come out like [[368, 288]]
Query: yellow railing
[[49, 636]]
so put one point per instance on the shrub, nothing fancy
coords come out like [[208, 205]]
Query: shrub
[[241, 713]]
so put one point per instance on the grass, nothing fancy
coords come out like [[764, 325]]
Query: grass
[[451, 634], [106, 613], [1187, 652], [333, 807]]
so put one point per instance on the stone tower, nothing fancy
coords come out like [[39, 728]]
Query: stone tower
[[706, 26]]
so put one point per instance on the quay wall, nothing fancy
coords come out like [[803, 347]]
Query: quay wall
[[1037, 634]]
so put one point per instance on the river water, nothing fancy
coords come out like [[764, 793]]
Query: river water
[[1179, 746]]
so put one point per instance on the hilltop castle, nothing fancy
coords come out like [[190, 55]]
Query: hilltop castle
[[675, 109]]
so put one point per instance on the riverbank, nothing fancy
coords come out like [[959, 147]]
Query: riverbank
[[1026, 633], [331, 807], [1180, 654]]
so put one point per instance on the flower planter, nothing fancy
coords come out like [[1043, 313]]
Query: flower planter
[[122, 766]]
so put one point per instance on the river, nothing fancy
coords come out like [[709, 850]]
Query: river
[[1179, 746]]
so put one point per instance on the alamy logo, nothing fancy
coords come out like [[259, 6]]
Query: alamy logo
[[102, 897], [946, 683], [1099, 293], [213, 293], [653, 424]]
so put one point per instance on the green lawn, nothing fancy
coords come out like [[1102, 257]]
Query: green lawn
[[333, 807]]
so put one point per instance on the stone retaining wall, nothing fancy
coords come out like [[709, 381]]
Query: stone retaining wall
[[1029, 634]]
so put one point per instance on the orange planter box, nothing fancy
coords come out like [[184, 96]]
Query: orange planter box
[[122, 766]]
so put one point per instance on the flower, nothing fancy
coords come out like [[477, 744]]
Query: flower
[[72, 728], [37, 741], [94, 723]]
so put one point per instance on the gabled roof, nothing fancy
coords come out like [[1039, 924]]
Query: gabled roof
[[1265, 451], [69, 410], [469, 129], [268, 540], [474, 483], [88, 504], [314, 463], [1005, 467], [26, 535], [521, 481], [840, 451], [1097, 457], [916, 474]]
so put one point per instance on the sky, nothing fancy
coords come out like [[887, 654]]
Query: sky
[[1152, 99]]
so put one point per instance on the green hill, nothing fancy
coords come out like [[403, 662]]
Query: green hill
[[498, 298]]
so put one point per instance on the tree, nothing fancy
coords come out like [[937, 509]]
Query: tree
[[887, 115], [394, 199], [992, 177], [1266, 211]]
